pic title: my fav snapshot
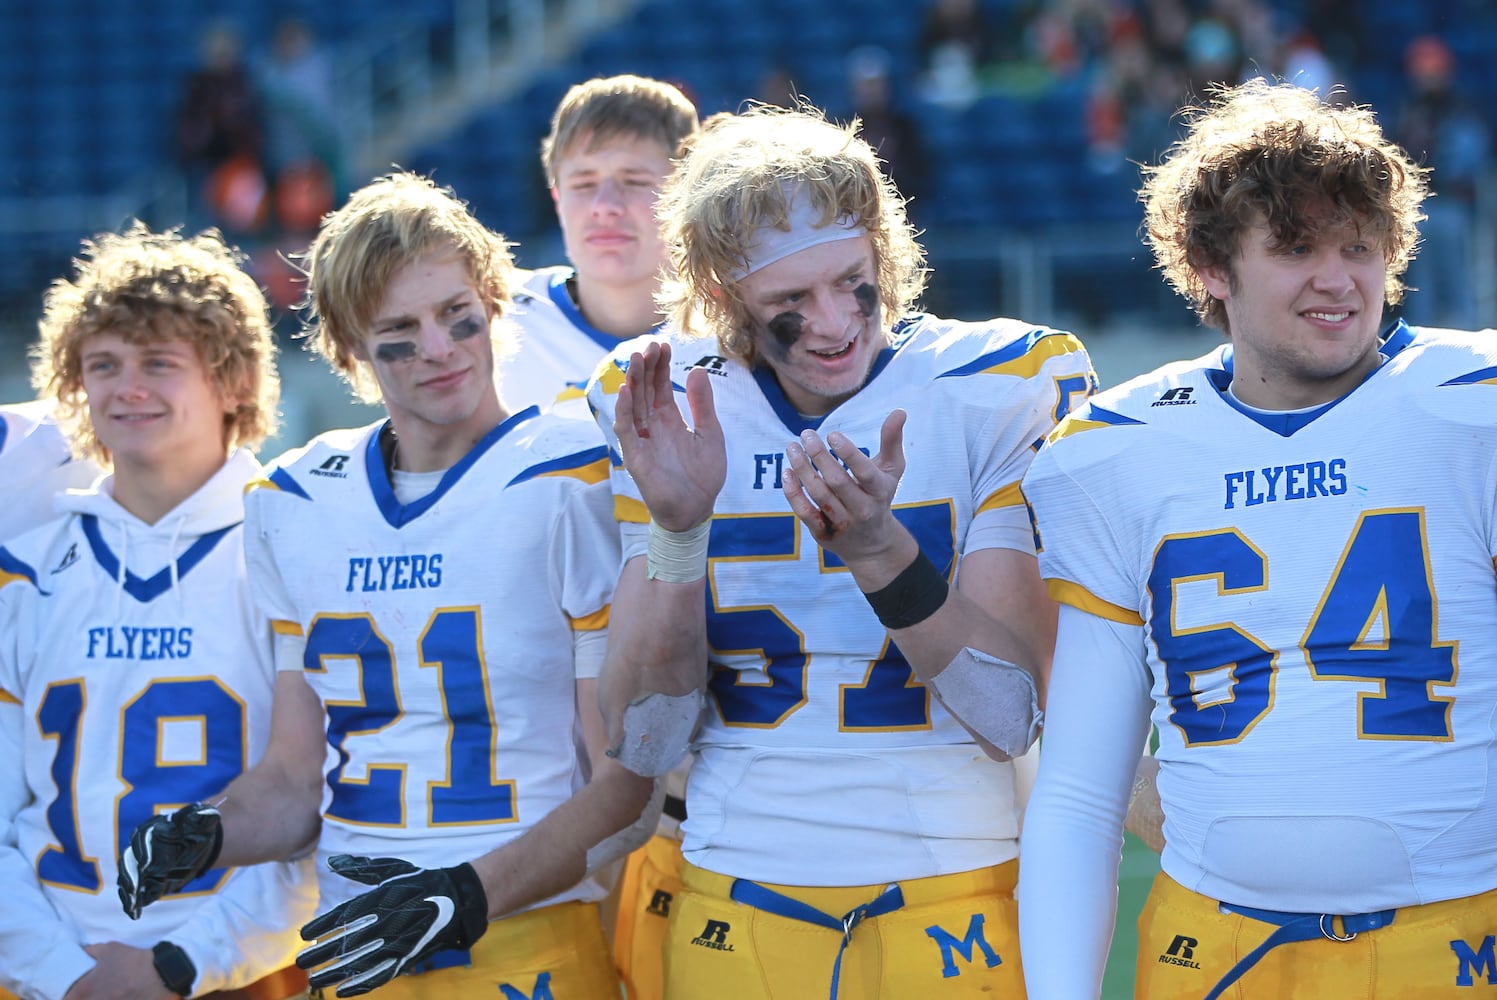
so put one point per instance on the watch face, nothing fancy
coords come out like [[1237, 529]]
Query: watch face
[[174, 967]]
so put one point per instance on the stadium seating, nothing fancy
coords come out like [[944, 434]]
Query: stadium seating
[[90, 88]]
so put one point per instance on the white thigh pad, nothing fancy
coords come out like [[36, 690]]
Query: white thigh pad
[[994, 698], [657, 732]]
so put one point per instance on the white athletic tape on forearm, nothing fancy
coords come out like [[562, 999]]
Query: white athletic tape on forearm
[[622, 843], [996, 699], [678, 556], [657, 732]]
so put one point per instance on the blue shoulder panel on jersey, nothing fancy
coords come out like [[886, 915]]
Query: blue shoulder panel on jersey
[[398, 515], [13, 570], [590, 466], [1101, 416], [160, 583], [283, 481], [1482, 376], [4, 433], [1049, 343], [1089, 417]]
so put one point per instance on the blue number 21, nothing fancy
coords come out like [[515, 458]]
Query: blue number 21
[[1376, 621], [452, 644]]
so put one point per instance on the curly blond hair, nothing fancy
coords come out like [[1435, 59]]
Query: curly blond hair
[[735, 179], [385, 225], [147, 286], [1277, 154]]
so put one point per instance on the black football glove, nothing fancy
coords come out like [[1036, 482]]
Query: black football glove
[[166, 852], [370, 939]]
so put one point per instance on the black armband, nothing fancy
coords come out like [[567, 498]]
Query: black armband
[[911, 597]]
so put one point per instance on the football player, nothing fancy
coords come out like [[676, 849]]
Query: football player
[[135, 672], [1283, 553], [808, 465], [612, 143], [439, 584]]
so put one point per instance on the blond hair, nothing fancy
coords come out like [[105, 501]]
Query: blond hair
[[611, 107], [145, 287], [741, 174], [1276, 154], [385, 225]]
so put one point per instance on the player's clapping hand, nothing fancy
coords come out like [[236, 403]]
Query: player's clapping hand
[[841, 494], [165, 853], [411, 914], [679, 469]]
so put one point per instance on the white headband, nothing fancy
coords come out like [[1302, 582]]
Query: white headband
[[771, 243]]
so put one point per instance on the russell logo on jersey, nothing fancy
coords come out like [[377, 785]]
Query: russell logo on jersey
[[1179, 396]]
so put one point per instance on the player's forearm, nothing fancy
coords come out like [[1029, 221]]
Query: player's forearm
[[1022, 634], [959, 624], [269, 813], [272, 811], [553, 856], [998, 607], [1145, 811], [1067, 896], [657, 641], [1097, 719]]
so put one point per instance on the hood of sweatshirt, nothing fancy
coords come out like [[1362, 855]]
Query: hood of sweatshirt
[[135, 552]]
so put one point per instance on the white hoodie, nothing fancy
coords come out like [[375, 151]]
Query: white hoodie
[[135, 676]]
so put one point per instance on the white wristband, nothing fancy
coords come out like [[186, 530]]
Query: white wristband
[[677, 556]]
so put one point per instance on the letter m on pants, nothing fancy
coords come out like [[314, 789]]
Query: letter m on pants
[[951, 947], [1475, 963], [541, 990]]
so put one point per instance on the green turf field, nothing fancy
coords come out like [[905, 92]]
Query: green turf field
[[1136, 874]]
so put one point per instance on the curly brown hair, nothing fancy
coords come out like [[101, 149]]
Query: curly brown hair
[[385, 225], [1276, 154], [147, 286], [734, 180]]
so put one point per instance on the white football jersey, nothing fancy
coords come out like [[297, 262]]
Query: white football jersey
[[557, 347], [818, 735], [439, 634], [143, 675], [1319, 603], [35, 466]]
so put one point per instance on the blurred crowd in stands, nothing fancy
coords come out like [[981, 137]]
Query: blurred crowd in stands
[[257, 139]]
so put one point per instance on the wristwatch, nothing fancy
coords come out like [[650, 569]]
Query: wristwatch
[[174, 967]]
